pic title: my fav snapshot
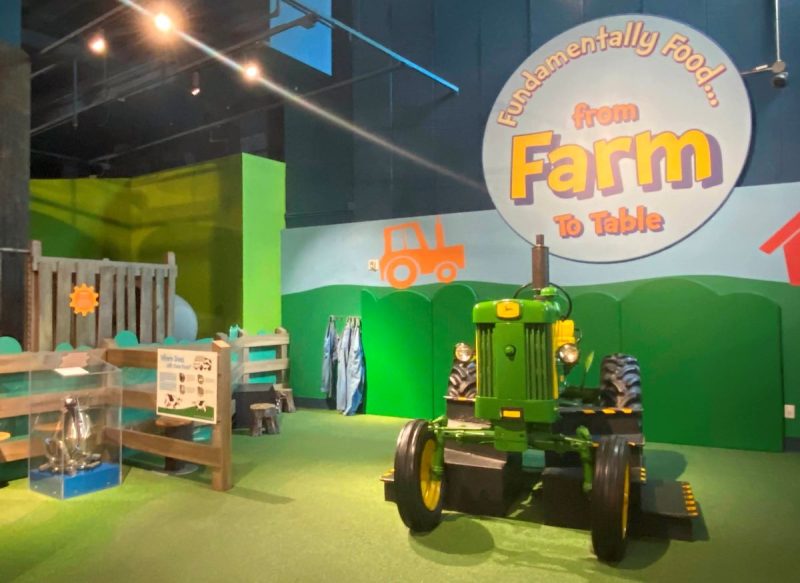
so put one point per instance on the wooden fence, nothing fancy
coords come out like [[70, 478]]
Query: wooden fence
[[139, 297], [246, 366], [216, 455]]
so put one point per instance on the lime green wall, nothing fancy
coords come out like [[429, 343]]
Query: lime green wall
[[87, 217], [263, 219], [196, 212], [199, 212]]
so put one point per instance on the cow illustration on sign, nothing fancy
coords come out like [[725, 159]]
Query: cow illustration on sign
[[406, 254], [788, 237]]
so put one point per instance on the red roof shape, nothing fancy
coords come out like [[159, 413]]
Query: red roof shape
[[782, 235]]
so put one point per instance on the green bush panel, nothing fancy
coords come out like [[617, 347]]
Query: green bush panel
[[398, 342], [597, 315], [711, 365], [305, 316], [452, 323]]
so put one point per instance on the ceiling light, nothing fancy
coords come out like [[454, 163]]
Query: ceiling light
[[195, 83], [252, 71], [163, 22], [97, 44]]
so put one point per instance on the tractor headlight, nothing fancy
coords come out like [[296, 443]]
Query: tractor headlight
[[569, 353], [464, 352]]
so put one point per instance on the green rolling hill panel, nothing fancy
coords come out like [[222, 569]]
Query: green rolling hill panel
[[305, 316], [711, 365], [597, 315], [452, 323], [731, 397], [398, 348]]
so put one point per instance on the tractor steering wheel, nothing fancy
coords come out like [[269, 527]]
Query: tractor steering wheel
[[563, 293]]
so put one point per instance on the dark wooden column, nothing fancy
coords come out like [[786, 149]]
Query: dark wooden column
[[15, 87]]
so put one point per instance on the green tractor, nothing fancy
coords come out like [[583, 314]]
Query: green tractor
[[524, 349]]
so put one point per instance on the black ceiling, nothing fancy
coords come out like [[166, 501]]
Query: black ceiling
[[133, 111]]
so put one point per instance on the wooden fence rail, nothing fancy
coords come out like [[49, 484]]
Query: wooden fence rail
[[216, 455], [246, 366]]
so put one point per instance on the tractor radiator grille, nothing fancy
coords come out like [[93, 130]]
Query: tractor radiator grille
[[538, 362], [485, 361]]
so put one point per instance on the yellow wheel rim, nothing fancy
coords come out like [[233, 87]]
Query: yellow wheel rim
[[626, 491], [430, 487]]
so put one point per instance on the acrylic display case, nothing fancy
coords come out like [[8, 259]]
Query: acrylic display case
[[74, 424]]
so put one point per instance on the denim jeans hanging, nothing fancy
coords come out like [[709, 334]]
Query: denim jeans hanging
[[342, 352], [329, 358], [355, 369]]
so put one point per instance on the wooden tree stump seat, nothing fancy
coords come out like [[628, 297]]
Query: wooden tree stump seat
[[286, 400], [264, 412], [175, 428]]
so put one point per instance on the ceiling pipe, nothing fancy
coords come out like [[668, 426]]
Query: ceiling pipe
[[108, 95], [271, 106], [333, 24], [110, 14]]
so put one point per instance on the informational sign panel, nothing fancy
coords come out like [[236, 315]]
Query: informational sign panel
[[618, 138], [187, 385]]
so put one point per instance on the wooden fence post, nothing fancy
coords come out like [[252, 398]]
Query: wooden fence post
[[221, 477]]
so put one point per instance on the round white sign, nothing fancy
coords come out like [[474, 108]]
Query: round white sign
[[617, 138]]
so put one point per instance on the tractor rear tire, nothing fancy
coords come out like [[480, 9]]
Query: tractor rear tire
[[621, 382], [419, 494], [463, 381], [610, 498]]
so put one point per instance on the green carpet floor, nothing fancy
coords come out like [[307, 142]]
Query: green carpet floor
[[307, 506]]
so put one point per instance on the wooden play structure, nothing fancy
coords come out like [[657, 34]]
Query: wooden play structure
[[139, 297], [145, 436]]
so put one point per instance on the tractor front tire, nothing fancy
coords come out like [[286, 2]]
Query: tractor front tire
[[610, 500], [621, 382], [419, 494]]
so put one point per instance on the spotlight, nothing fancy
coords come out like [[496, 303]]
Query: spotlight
[[780, 80], [252, 71], [97, 44], [195, 83], [163, 22]]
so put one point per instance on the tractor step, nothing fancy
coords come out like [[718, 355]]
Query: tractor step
[[668, 509], [486, 485], [663, 509]]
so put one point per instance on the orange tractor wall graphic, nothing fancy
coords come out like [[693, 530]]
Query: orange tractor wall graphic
[[406, 255]]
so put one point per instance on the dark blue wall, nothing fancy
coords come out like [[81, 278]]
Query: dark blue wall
[[10, 22], [476, 44]]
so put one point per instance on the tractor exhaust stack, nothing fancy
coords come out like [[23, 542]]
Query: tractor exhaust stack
[[540, 255]]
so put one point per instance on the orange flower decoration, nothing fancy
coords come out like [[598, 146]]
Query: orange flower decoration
[[84, 300]]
